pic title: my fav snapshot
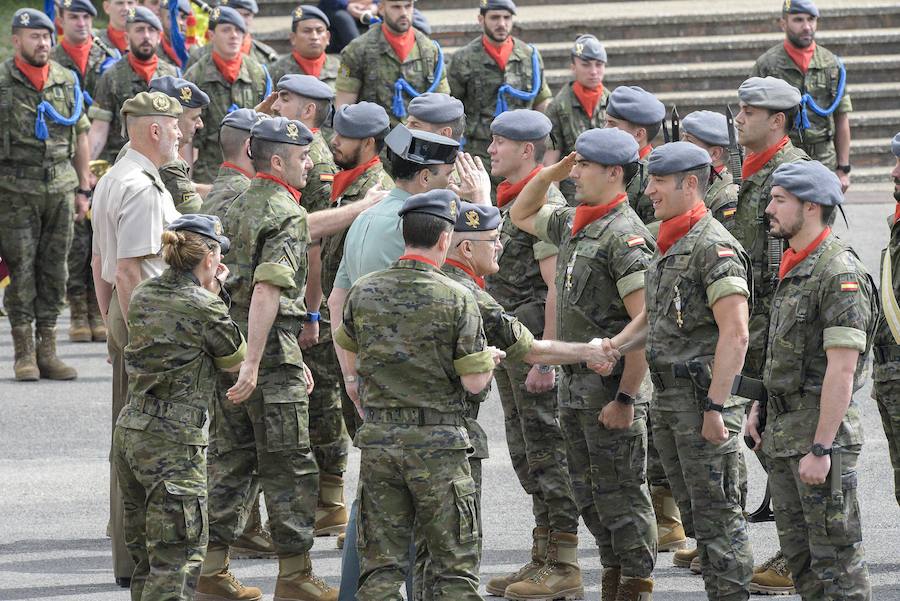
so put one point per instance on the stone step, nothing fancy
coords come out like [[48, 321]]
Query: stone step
[[871, 153], [283, 7], [873, 178]]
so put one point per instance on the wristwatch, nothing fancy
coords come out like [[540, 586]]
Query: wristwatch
[[350, 379], [87, 193], [711, 406], [845, 168], [545, 369], [819, 450], [313, 316], [625, 398]]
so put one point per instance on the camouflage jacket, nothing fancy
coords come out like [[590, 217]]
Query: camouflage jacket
[[179, 335], [369, 68], [886, 350], [415, 332], [288, 65], [475, 79], [637, 198], [721, 198], [103, 34], [827, 301], [177, 179], [317, 192], [260, 52], [91, 77], [596, 269], [247, 91], [682, 285], [519, 286], [228, 185], [116, 85], [269, 237]]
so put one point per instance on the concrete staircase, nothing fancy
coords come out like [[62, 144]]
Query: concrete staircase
[[695, 55]]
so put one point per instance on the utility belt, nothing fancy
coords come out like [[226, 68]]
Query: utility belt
[[34, 172], [176, 412], [887, 353], [792, 401], [413, 416], [815, 149], [696, 374]]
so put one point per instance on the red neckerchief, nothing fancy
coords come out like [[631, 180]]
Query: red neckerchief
[[719, 169], [477, 279], [672, 230], [310, 66], [500, 53], [343, 179], [231, 165], [170, 51], [645, 151], [419, 258], [146, 68], [897, 213], [801, 56], [792, 258], [118, 38], [247, 45], [79, 54], [36, 75], [507, 192], [588, 98], [230, 69], [754, 161], [314, 130], [587, 214], [293, 191], [402, 43]]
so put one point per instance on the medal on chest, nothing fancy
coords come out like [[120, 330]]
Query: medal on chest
[[679, 318], [569, 268]]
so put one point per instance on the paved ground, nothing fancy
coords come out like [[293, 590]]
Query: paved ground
[[54, 440]]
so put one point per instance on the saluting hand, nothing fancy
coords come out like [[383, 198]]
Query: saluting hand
[[266, 105], [557, 172], [245, 385], [474, 181]]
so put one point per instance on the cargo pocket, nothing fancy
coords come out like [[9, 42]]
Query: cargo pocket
[[182, 517], [286, 412], [842, 523], [361, 518], [464, 491]]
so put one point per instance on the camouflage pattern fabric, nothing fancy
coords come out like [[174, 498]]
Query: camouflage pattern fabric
[[228, 185], [637, 197], [91, 75], [317, 192], [327, 434], [722, 197], [287, 65], [80, 283], [176, 177], [261, 52]]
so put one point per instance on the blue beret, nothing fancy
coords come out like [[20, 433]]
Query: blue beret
[[420, 22], [243, 119], [800, 6], [184, 6], [249, 5], [185, 92], [524, 125], [224, 14], [436, 107], [142, 14], [589, 47], [282, 131], [361, 120], [895, 145], [769, 93], [486, 5], [677, 157], [707, 126], [305, 12], [810, 181], [476, 218], [635, 105], [29, 18], [440, 203], [421, 147], [205, 225], [306, 86], [609, 146], [79, 6]]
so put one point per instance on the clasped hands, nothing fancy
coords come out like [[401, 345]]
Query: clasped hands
[[603, 356]]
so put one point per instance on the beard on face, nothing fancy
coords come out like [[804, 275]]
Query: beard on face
[[490, 35], [395, 26], [896, 190], [33, 59], [348, 161], [786, 233], [799, 42], [141, 53]]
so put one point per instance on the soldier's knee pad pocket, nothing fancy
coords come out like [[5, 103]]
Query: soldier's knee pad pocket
[[836, 520], [182, 516], [286, 415], [465, 494]]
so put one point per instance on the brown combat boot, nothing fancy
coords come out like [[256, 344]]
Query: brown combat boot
[[773, 578], [540, 536], [635, 589], [559, 578], [48, 362], [256, 541], [296, 581], [98, 328], [339, 543], [25, 366], [684, 557], [696, 566], [79, 327], [668, 519], [217, 583], [331, 512], [609, 583]]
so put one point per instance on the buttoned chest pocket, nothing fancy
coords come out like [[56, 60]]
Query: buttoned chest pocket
[[244, 96], [59, 97], [416, 70], [793, 312], [517, 79], [584, 280], [679, 294]]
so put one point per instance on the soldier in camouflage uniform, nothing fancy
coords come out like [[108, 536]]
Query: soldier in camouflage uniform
[[165, 50], [115, 35], [258, 51], [124, 80], [374, 62], [580, 105], [180, 334], [817, 72], [44, 177], [232, 81], [824, 316], [695, 328], [411, 382], [309, 37], [604, 254], [236, 169], [709, 131], [493, 68]]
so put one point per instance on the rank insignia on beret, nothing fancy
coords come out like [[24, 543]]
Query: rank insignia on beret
[[161, 103], [453, 209], [214, 15], [185, 94], [291, 131], [724, 251], [484, 3], [849, 286], [131, 12], [787, 5], [24, 19], [298, 13], [579, 49], [635, 241], [472, 219], [218, 228], [67, 3]]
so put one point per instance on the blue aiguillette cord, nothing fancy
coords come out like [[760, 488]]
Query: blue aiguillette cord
[[505, 89], [802, 120], [40, 123], [401, 85]]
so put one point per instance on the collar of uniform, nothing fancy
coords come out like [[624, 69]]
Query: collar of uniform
[[594, 228], [385, 47], [145, 163], [685, 244], [415, 261], [211, 72], [95, 57], [56, 75], [178, 276], [766, 170], [520, 53], [364, 178], [818, 61], [806, 266]]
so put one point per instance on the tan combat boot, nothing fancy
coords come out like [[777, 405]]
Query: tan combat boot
[[696, 566], [98, 328], [684, 557], [559, 578], [25, 366], [773, 578], [48, 362], [331, 512], [79, 327], [296, 581], [635, 589], [609, 583], [217, 583], [540, 536], [668, 520], [256, 541], [339, 543]]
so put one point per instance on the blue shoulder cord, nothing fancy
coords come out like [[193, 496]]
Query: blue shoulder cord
[[401, 85], [175, 37], [40, 123], [505, 89], [802, 120], [268, 91]]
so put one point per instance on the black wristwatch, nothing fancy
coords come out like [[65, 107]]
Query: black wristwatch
[[845, 168], [87, 193], [819, 450], [711, 406], [625, 398]]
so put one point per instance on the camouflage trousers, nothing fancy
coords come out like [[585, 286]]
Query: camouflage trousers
[[537, 448], [264, 442], [887, 396], [327, 433], [426, 493], [35, 235], [81, 282], [705, 480], [610, 485], [163, 486], [820, 531]]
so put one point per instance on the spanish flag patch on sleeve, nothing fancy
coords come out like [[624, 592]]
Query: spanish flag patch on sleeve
[[729, 212], [849, 286], [635, 241], [724, 251], [326, 177]]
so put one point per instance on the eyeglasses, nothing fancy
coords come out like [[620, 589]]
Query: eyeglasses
[[494, 241]]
